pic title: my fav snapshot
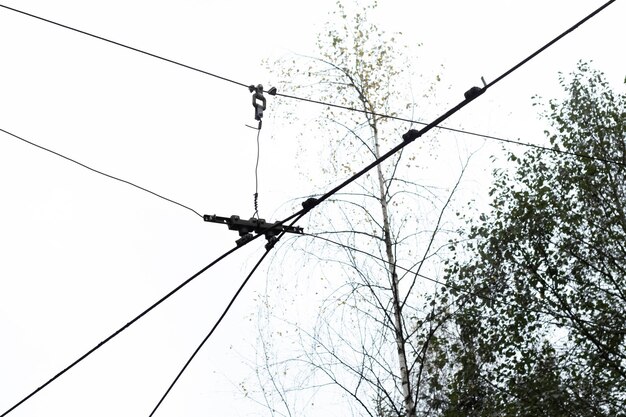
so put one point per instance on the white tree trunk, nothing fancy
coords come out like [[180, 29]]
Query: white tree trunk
[[397, 310]]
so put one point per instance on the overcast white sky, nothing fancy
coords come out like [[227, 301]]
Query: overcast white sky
[[81, 254]]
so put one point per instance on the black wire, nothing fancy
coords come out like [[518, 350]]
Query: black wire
[[466, 132], [298, 216], [217, 323], [98, 172], [123, 45]]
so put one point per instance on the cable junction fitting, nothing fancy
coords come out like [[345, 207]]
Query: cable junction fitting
[[259, 226], [259, 102]]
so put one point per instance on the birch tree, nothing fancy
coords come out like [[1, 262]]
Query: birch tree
[[367, 347]]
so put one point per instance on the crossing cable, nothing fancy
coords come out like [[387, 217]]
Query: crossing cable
[[293, 97], [97, 171], [311, 203]]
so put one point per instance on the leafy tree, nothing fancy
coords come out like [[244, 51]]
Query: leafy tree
[[542, 277]]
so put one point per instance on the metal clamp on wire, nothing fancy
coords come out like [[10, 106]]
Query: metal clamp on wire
[[309, 203], [272, 238], [411, 135], [474, 92], [246, 228], [258, 101]]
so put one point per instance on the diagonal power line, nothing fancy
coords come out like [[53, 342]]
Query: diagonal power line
[[413, 134], [98, 172]]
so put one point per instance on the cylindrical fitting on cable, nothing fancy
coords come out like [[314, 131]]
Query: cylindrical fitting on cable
[[411, 135], [473, 92], [309, 203], [258, 101]]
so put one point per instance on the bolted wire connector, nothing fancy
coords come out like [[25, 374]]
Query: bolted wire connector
[[411, 135], [247, 228], [309, 203], [245, 238], [272, 237], [258, 101], [473, 92]]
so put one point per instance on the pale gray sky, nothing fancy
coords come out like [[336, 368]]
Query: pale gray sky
[[81, 254]]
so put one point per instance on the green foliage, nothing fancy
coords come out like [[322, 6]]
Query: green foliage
[[542, 277]]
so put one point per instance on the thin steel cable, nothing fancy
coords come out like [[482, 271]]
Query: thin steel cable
[[461, 131], [293, 97], [256, 175], [98, 172], [132, 48]]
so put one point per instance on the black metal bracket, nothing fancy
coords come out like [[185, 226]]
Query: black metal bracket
[[259, 226], [258, 101]]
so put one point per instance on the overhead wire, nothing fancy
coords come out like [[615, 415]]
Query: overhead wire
[[256, 175], [455, 130], [309, 100], [98, 172], [308, 205]]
